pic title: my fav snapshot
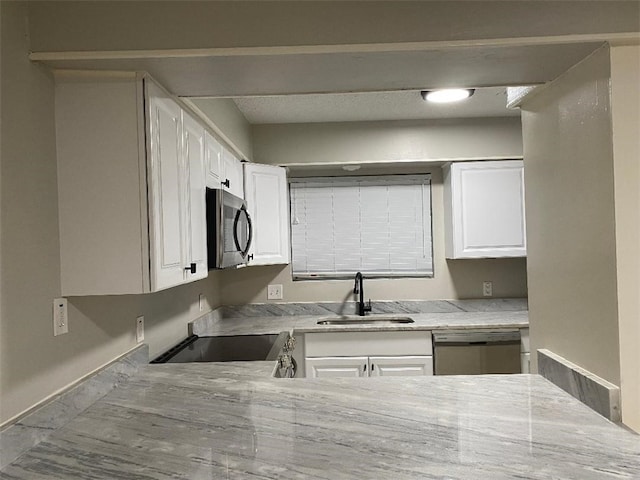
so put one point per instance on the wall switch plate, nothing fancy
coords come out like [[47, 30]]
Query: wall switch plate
[[140, 329], [274, 292], [201, 302], [487, 289], [60, 318]]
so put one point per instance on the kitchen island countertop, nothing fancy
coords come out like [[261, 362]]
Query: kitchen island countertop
[[233, 421]]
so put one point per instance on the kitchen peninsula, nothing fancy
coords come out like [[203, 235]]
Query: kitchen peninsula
[[234, 420]]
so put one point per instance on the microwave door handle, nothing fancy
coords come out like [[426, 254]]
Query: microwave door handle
[[250, 230], [243, 251]]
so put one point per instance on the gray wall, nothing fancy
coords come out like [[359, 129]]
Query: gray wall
[[374, 142], [142, 25], [33, 363], [569, 181], [416, 144], [625, 109], [229, 122]]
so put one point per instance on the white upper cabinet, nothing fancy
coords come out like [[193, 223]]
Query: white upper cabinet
[[231, 178], [131, 186], [213, 153], [484, 209], [166, 204], [196, 230], [266, 196]]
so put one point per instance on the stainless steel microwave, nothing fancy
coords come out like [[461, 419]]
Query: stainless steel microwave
[[229, 229]]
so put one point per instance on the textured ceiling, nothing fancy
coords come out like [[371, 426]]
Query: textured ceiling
[[355, 107]]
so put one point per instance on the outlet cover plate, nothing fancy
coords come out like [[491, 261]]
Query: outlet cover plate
[[60, 317], [274, 292], [487, 289]]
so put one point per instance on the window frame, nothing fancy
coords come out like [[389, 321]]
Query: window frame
[[424, 179]]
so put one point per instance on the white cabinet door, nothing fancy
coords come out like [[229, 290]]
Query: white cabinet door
[[484, 209], [404, 366], [266, 196], [165, 192], [141, 222], [195, 231], [332, 367], [232, 180], [213, 153]]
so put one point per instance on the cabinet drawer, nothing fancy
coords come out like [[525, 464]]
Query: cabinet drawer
[[336, 344]]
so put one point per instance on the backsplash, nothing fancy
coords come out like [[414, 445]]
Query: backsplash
[[349, 308]]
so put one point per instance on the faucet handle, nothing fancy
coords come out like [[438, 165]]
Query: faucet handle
[[367, 307]]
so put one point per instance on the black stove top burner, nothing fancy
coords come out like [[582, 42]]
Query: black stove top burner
[[235, 348]]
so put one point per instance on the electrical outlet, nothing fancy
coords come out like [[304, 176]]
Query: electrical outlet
[[201, 301], [139, 329], [274, 292], [487, 289], [60, 319]]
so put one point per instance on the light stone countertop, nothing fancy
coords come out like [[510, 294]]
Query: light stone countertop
[[233, 421], [308, 323]]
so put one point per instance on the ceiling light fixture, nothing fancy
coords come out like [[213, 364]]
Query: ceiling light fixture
[[447, 95]]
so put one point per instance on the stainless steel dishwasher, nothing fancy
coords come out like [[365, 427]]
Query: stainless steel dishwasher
[[476, 352]]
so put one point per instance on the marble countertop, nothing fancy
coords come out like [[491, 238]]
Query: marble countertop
[[233, 421], [303, 318]]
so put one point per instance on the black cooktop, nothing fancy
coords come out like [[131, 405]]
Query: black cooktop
[[234, 348]]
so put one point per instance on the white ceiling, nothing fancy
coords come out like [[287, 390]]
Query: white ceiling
[[370, 106]]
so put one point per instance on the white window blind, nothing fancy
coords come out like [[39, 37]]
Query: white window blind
[[380, 226]]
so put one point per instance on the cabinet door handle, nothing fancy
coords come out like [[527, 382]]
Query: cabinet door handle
[[191, 268], [372, 367], [227, 183], [365, 367]]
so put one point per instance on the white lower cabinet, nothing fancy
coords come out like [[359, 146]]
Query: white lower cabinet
[[368, 354], [333, 367], [403, 366]]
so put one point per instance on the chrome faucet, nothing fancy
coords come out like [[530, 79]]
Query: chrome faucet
[[359, 288]]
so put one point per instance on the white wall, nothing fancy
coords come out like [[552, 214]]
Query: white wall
[[569, 180], [427, 140], [380, 143], [33, 363], [625, 109]]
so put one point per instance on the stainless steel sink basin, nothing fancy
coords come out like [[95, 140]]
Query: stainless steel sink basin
[[364, 320]]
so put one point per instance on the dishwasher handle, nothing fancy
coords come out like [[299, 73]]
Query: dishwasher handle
[[453, 338]]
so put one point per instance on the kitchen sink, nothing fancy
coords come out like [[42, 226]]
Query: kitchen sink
[[355, 320]]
